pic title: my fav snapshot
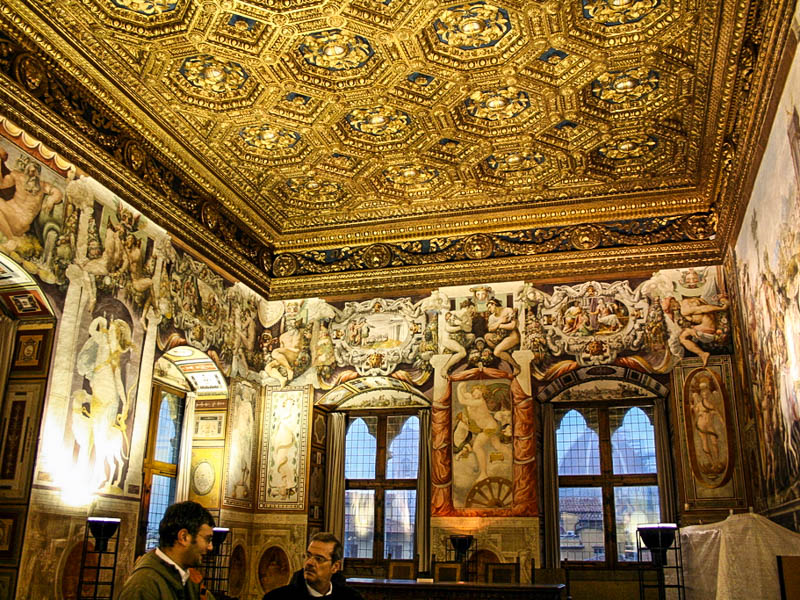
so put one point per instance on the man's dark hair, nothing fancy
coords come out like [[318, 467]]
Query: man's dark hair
[[326, 538], [182, 515]]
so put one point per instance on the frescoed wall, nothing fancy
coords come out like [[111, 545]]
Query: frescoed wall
[[766, 261], [131, 308]]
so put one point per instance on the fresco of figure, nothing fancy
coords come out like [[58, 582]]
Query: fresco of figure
[[240, 465], [283, 463], [23, 195], [285, 356], [503, 334], [98, 421], [703, 326], [607, 315], [482, 426]]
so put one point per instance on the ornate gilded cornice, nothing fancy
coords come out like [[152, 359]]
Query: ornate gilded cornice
[[507, 244], [566, 266]]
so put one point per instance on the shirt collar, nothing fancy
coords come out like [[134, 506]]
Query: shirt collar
[[184, 574], [315, 593]]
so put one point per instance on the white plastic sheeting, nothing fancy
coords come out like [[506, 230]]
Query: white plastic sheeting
[[735, 559]]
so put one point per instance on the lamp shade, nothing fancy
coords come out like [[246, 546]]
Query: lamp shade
[[461, 544], [218, 538], [102, 529], [658, 537]]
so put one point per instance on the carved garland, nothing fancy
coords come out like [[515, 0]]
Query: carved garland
[[637, 232]]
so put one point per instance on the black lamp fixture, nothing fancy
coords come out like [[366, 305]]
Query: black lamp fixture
[[461, 544], [99, 563], [218, 538], [102, 529], [216, 563], [658, 538]]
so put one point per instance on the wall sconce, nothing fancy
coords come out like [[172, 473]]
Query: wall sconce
[[217, 564], [103, 529], [99, 565], [218, 538]]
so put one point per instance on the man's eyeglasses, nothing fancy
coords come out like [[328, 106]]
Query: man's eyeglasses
[[207, 538], [317, 558]]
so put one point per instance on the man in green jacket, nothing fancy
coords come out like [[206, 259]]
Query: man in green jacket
[[167, 572]]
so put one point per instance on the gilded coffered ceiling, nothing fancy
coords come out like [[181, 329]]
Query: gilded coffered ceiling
[[354, 145]]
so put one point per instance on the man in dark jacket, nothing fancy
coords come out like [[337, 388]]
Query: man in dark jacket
[[323, 560], [166, 572]]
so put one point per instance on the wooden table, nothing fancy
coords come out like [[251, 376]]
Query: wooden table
[[407, 589]]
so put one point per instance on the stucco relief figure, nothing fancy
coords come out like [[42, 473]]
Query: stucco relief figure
[[104, 262], [244, 338], [503, 334], [708, 422], [703, 325], [458, 333], [23, 195], [323, 354], [705, 415], [99, 417], [139, 282]]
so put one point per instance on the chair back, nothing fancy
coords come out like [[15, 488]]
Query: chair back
[[560, 575], [789, 577], [445, 570], [401, 568], [502, 572]]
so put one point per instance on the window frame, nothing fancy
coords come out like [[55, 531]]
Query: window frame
[[606, 480], [380, 484], [150, 466]]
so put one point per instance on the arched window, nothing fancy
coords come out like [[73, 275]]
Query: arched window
[[381, 466], [161, 459], [607, 479]]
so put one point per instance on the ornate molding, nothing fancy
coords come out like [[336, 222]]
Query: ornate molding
[[506, 244], [35, 84], [602, 263]]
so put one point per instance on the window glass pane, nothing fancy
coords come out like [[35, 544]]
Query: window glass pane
[[581, 523], [577, 443], [634, 505], [399, 524], [359, 451], [633, 445], [168, 438], [359, 523], [162, 494], [402, 435]]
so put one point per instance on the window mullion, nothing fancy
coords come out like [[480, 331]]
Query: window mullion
[[609, 517], [606, 461], [380, 501], [380, 454]]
